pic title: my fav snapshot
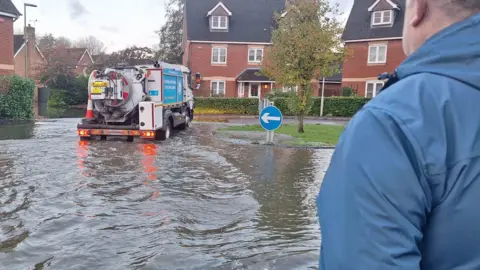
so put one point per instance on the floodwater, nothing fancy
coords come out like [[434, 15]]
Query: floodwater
[[192, 202]]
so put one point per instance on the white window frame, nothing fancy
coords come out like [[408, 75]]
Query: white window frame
[[289, 88], [255, 55], [382, 17], [219, 26], [374, 82], [250, 90], [377, 54], [216, 90], [241, 89], [213, 53]]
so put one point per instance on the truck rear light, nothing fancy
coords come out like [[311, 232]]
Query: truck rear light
[[84, 133], [147, 134]]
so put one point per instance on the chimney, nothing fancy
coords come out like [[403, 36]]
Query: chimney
[[31, 42], [30, 32]]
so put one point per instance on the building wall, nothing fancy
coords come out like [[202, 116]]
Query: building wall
[[356, 69], [34, 58], [200, 56], [6, 46]]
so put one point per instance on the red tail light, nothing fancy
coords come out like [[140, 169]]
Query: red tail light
[[83, 133], [148, 134]]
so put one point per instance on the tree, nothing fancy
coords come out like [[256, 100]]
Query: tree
[[306, 44], [170, 45], [92, 44]]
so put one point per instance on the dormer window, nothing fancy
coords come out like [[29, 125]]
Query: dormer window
[[220, 22], [219, 16], [384, 17]]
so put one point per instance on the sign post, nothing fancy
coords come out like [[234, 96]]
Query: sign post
[[270, 119]]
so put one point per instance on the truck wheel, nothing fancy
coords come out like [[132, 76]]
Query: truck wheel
[[186, 125], [162, 135], [130, 139]]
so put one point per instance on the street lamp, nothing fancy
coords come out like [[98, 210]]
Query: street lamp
[[25, 5]]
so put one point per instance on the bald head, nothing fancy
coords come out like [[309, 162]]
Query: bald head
[[424, 18]]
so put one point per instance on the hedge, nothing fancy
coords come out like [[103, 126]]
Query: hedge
[[68, 91], [333, 106], [16, 97]]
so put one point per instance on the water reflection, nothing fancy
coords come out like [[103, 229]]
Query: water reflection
[[191, 202], [16, 130], [14, 198], [43, 111]]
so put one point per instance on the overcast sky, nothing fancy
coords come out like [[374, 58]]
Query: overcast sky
[[118, 23]]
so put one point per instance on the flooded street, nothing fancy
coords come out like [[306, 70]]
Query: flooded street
[[192, 202]]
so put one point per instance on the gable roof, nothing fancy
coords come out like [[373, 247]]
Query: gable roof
[[220, 4], [252, 75], [8, 9], [74, 55], [19, 43], [358, 23], [251, 20], [394, 5]]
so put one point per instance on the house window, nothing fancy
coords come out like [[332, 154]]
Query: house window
[[382, 17], [218, 88], [219, 55], [373, 88], [255, 55], [241, 89], [219, 22], [377, 54], [254, 90], [290, 88]]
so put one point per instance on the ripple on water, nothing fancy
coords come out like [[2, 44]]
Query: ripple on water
[[188, 203]]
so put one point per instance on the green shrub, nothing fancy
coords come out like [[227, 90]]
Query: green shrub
[[227, 105], [17, 101], [58, 99], [333, 106], [75, 88]]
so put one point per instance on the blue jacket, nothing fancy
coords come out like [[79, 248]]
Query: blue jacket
[[403, 187]]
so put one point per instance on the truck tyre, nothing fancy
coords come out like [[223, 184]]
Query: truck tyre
[[188, 120], [162, 135]]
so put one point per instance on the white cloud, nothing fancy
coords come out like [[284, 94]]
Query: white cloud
[[118, 23]]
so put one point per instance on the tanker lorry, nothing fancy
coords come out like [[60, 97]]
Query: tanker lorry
[[148, 102]]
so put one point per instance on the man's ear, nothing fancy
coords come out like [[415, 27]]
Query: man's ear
[[418, 9]]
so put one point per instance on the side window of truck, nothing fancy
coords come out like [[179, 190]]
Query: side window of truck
[[189, 80]]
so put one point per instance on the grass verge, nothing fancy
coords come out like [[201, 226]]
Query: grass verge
[[314, 133]]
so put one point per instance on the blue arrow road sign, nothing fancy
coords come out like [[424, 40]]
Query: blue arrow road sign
[[271, 118]]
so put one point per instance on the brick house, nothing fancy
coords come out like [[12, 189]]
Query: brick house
[[373, 37], [225, 42], [35, 58], [8, 15], [79, 59]]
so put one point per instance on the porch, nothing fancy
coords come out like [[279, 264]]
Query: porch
[[252, 84]]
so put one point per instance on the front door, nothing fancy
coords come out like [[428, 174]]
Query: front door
[[254, 90]]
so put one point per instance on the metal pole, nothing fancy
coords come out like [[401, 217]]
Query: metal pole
[[25, 36], [323, 98]]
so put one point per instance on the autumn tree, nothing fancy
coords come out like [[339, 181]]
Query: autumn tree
[[170, 46], [306, 44], [91, 43]]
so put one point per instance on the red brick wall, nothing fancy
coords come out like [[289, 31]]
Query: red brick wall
[[6, 46], [200, 55], [356, 70]]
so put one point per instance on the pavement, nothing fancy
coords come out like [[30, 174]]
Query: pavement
[[253, 119]]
